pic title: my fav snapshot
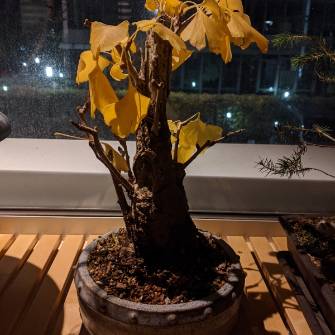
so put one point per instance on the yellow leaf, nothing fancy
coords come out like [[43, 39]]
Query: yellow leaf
[[244, 34], [101, 91], [87, 64], [145, 25], [225, 49], [105, 37], [162, 31], [117, 73], [213, 29], [170, 7], [173, 126], [195, 32], [213, 7], [195, 133], [168, 35], [124, 116], [235, 6], [117, 160], [151, 5], [179, 57]]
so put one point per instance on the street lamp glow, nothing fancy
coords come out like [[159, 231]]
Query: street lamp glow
[[37, 60], [61, 75], [229, 115], [286, 94], [5, 88], [276, 123], [24, 64], [49, 71], [194, 84], [271, 89]]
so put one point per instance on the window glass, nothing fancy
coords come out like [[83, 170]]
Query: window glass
[[41, 41]]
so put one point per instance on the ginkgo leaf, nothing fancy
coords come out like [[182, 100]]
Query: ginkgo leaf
[[105, 37], [244, 34], [213, 7], [170, 7], [235, 5], [102, 93], [225, 49], [195, 32], [117, 73], [162, 31], [124, 116], [212, 29], [239, 26], [117, 160], [87, 64], [219, 30], [193, 134], [145, 25], [180, 57], [173, 126], [168, 35]]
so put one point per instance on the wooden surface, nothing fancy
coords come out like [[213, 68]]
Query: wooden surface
[[37, 294]]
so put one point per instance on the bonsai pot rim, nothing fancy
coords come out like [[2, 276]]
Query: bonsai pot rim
[[165, 315]]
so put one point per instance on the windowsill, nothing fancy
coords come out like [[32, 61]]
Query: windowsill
[[65, 175]]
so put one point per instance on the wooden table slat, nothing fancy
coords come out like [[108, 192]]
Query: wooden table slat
[[14, 258], [259, 306], [280, 243], [39, 296], [52, 290], [17, 295], [69, 321], [5, 241], [276, 280]]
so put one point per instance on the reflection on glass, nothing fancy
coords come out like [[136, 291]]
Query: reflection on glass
[[40, 42]]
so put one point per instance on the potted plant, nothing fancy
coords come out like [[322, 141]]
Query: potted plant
[[160, 271], [311, 239]]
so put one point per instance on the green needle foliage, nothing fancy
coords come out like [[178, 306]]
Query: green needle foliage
[[317, 53]]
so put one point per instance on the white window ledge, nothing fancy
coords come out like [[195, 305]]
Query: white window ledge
[[65, 175]]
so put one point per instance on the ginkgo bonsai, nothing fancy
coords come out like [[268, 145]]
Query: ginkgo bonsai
[[150, 190]]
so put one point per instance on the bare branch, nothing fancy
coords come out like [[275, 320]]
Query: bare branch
[[70, 136], [324, 133], [96, 146], [209, 144], [177, 135], [125, 154]]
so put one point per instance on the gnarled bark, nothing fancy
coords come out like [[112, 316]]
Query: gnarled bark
[[163, 227]]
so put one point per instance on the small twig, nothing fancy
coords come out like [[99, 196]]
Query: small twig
[[125, 153], [70, 136], [209, 144], [177, 134], [323, 133], [318, 145], [87, 23], [324, 172], [176, 146], [96, 146]]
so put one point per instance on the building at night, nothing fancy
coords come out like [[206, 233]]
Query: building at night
[[249, 72]]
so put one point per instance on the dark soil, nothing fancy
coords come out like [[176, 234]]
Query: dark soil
[[114, 266], [316, 237]]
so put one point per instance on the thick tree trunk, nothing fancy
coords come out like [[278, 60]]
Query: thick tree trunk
[[163, 227]]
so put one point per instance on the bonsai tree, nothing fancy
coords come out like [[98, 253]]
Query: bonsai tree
[[150, 188]]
